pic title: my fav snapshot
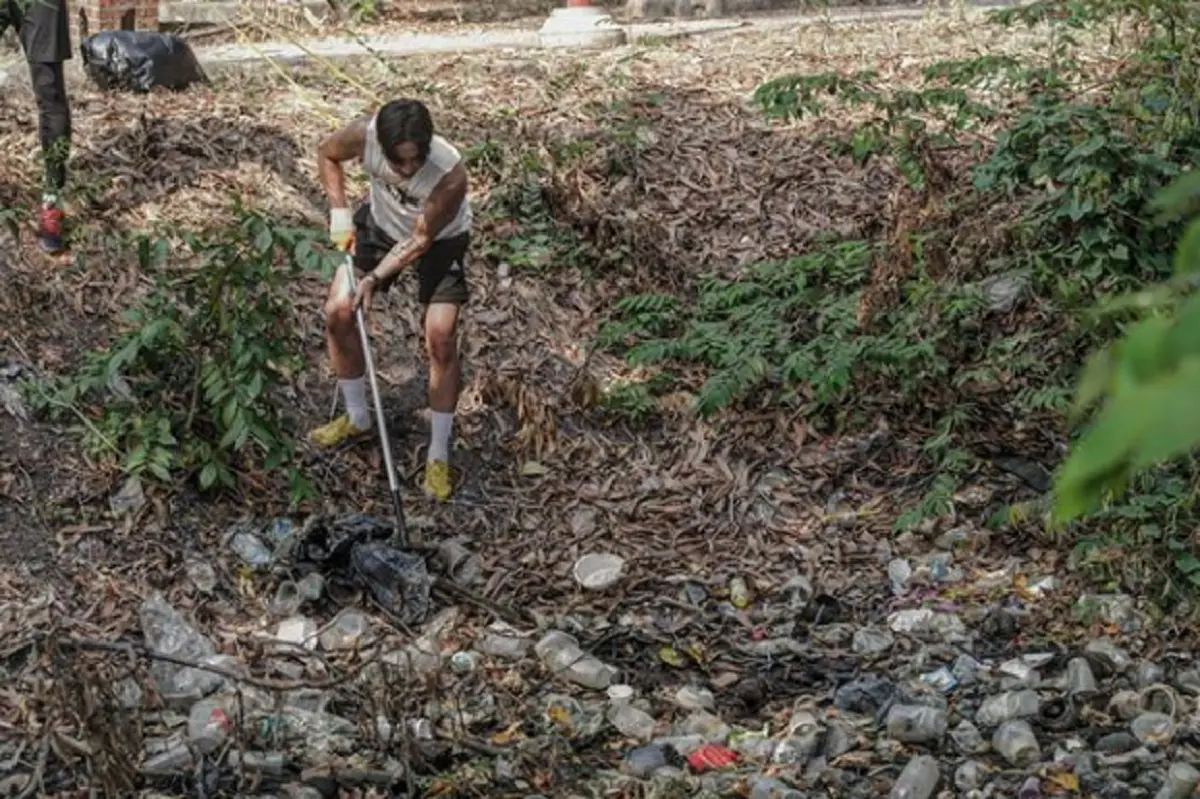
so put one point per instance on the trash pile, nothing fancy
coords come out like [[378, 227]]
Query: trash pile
[[360, 675]]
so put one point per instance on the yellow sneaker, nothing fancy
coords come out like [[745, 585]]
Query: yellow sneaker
[[339, 431], [437, 480]]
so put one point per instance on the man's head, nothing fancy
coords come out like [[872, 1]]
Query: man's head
[[405, 130]]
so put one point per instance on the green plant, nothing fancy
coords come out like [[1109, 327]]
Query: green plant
[[1061, 153], [192, 384], [1145, 383]]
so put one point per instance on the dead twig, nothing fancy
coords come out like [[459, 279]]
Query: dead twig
[[257, 682]]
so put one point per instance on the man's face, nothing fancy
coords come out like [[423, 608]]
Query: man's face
[[405, 159]]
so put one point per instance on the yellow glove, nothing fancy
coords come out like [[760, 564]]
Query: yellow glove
[[341, 228]]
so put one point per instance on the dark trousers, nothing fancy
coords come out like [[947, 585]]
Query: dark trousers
[[45, 36]]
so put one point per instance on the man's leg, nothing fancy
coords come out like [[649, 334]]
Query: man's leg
[[342, 337], [443, 290], [45, 36], [54, 131]]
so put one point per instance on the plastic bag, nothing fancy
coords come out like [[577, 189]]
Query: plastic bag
[[138, 61], [398, 580]]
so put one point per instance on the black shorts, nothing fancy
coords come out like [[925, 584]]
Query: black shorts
[[441, 272], [42, 26]]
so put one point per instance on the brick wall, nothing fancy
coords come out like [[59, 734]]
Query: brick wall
[[93, 16]]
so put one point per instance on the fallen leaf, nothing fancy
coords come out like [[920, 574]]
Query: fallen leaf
[[533, 469], [670, 657]]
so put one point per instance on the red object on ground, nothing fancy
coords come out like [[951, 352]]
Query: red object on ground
[[711, 757]]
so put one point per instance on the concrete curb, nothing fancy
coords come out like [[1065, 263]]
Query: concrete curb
[[215, 58], [219, 57]]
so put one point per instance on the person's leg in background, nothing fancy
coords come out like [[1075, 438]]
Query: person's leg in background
[[54, 130], [46, 38]]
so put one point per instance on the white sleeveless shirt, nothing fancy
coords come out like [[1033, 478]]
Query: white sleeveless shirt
[[396, 202]]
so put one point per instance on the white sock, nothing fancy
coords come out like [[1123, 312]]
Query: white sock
[[355, 393], [439, 436]]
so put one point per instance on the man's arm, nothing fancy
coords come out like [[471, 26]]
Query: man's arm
[[345, 144], [439, 210]]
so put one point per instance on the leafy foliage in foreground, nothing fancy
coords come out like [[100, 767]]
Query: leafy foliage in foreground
[[1146, 383], [191, 386], [1065, 164]]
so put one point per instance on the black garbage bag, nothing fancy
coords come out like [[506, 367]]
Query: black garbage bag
[[398, 580], [137, 61], [328, 541]]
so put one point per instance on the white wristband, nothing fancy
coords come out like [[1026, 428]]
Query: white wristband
[[340, 219]]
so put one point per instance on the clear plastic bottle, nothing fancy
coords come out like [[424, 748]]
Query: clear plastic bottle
[[1008, 706], [918, 780], [630, 721], [1016, 743], [1181, 782], [1081, 681], [346, 631], [916, 723], [563, 656], [208, 725]]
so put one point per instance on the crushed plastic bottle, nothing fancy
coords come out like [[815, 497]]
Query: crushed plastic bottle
[[916, 723], [458, 563], [967, 738], [1181, 782], [346, 631], [561, 653], [202, 575], [1008, 706], [208, 725], [918, 780], [871, 641], [1081, 682], [1153, 729], [166, 633], [1016, 743], [899, 573], [690, 698], [176, 759], [272, 764], [287, 599], [502, 641], [250, 548], [645, 760], [311, 587], [630, 721], [942, 679]]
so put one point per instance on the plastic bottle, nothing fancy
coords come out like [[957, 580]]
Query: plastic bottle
[[1180, 783], [630, 721], [563, 656], [1016, 743], [918, 780], [1008, 706], [208, 725], [916, 723], [1081, 681]]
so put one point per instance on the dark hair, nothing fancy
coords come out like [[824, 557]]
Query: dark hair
[[403, 121]]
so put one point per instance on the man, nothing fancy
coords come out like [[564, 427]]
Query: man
[[42, 26], [416, 215]]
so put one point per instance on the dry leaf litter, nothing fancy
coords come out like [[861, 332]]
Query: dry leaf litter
[[766, 635]]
